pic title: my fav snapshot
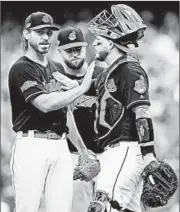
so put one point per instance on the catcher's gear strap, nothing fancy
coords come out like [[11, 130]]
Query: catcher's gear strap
[[125, 50]]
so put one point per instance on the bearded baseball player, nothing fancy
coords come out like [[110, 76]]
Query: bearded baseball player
[[123, 122], [41, 161], [72, 50]]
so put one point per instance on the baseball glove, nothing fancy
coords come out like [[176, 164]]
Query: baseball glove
[[160, 183], [88, 167]]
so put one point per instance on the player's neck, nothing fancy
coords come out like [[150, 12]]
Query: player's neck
[[38, 58], [113, 56], [76, 72]]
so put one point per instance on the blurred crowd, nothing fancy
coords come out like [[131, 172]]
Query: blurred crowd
[[159, 55]]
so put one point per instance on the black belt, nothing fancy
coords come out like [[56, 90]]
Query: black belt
[[47, 135], [127, 210], [114, 145], [118, 144]]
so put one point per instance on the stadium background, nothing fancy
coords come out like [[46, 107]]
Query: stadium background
[[158, 53]]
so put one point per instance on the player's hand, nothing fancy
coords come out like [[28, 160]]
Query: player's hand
[[86, 153], [66, 82], [148, 158], [86, 83]]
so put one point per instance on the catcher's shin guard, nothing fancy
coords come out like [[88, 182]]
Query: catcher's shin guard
[[101, 201], [97, 206]]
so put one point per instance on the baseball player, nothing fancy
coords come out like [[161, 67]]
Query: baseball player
[[72, 49], [41, 161], [123, 121]]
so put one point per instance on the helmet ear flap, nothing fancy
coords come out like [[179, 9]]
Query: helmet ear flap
[[111, 44]]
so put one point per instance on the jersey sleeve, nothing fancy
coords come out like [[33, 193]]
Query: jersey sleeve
[[136, 89], [28, 82]]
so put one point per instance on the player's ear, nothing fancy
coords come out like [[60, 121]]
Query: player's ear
[[59, 50], [84, 49], [26, 34], [111, 44]]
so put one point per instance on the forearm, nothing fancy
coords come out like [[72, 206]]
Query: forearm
[[57, 100], [74, 135], [77, 141]]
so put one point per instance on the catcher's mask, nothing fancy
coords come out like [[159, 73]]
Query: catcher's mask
[[123, 26]]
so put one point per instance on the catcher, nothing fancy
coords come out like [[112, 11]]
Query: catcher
[[123, 123]]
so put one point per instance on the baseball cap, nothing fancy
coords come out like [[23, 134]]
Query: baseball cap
[[39, 20], [70, 37]]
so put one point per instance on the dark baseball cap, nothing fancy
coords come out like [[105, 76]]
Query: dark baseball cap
[[70, 37], [39, 20]]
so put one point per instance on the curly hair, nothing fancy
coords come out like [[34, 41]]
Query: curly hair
[[24, 43]]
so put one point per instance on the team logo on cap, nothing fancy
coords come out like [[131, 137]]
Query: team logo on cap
[[72, 35], [45, 19]]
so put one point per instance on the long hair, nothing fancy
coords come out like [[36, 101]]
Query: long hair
[[24, 43]]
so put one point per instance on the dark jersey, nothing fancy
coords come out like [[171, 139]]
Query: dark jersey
[[27, 80], [83, 109], [123, 86]]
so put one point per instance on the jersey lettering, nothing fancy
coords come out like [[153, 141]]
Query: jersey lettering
[[83, 101], [142, 111], [28, 84]]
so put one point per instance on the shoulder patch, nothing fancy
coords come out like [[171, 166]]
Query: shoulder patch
[[28, 84], [111, 87], [140, 85]]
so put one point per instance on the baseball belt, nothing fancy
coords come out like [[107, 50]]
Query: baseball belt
[[126, 143], [48, 135]]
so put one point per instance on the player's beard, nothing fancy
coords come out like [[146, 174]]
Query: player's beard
[[75, 65], [42, 49], [101, 56]]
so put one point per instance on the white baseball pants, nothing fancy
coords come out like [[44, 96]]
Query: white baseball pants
[[120, 175], [40, 165]]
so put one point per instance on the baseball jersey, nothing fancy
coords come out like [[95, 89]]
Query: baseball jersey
[[121, 87], [83, 109], [27, 80]]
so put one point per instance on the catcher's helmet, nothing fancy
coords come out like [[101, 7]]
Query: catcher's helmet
[[124, 25]]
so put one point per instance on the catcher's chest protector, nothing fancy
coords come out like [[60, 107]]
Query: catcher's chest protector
[[109, 109]]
